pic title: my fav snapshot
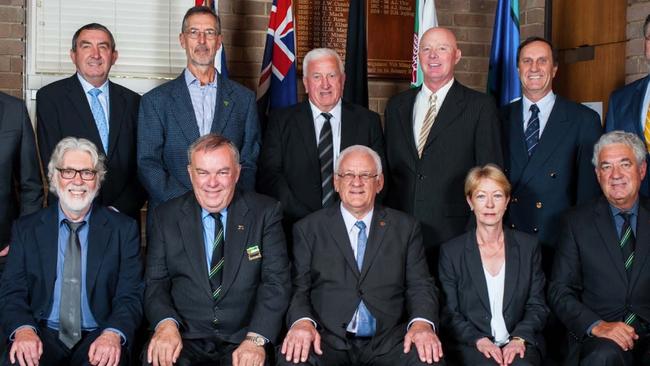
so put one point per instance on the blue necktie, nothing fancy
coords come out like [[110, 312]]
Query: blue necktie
[[366, 323], [100, 117], [532, 130]]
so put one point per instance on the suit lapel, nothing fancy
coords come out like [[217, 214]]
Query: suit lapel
[[512, 268], [406, 120], [183, 109], [98, 238], [192, 237], [79, 101], [335, 226], [117, 110], [637, 103], [376, 236], [223, 106], [48, 248], [304, 123], [607, 230], [452, 106], [642, 250], [237, 228], [475, 269], [518, 152], [349, 126]]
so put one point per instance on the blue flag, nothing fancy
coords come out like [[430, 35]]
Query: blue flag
[[503, 78]]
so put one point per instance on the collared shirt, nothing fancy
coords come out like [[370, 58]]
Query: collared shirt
[[618, 219], [208, 232], [104, 97], [545, 106], [335, 123], [204, 99], [421, 106]]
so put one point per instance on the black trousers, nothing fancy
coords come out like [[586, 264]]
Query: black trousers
[[55, 353], [604, 352], [467, 355]]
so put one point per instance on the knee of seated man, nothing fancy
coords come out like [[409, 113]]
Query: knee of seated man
[[605, 352]]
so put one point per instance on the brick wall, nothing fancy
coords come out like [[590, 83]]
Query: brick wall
[[12, 46], [636, 65]]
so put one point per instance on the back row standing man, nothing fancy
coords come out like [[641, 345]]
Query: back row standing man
[[200, 101], [88, 105], [434, 135]]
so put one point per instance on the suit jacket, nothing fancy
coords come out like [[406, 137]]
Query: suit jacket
[[255, 291], [62, 110], [624, 113], [167, 127], [589, 280], [465, 134], [559, 175], [19, 169], [394, 282], [466, 314], [113, 276], [289, 164]]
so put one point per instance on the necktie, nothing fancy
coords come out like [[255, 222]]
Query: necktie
[[326, 158], [366, 323], [532, 130], [627, 243], [70, 310], [646, 129], [100, 117], [216, 263], [429, 118]]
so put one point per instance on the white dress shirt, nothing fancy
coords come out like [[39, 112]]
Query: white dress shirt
[[422, 105]]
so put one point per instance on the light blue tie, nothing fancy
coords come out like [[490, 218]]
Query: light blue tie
[[100, 117], [366, 323]]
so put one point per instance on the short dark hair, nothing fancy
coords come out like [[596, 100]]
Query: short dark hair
[[645, 25], [530, 40], [200, 10], [92, 26]]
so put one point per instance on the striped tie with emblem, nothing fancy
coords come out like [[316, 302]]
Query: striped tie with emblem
[[216, 263]]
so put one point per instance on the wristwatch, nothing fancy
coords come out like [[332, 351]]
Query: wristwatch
[[257, 340]]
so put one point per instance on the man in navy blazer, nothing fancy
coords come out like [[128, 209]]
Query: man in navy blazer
[[198, 102], [628, 107], [71, 293]]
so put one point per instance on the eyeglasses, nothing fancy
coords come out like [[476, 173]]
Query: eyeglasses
[[85, 174], [349, 177], [208, 33]]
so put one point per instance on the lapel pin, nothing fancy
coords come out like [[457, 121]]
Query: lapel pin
[[240, 227], [225, 102], [382, 223]]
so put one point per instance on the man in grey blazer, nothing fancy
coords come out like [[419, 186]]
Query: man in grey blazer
[[198, 102]]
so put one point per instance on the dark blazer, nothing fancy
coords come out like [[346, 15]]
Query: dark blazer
[[255, 291], [624, 113], [465, 134], [289, 165], [589, 280], [394, 282], [559, 175], [167, 127], [19, 169], [466, 314], [62, 110], [113, 276]]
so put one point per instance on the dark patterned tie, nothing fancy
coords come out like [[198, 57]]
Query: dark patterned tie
[[532, 130], [326, 158], [70, 307], [627, 242], [217, 261]]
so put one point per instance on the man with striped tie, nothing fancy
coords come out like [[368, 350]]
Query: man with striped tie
[[217, 270], [600, 288]]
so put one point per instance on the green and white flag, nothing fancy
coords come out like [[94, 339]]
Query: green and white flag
[[425, 18]]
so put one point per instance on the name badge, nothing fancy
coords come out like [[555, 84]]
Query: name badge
[[254, 253]]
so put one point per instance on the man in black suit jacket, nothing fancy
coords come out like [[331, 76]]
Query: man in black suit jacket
[[20, 170], [217, 274], [601, 275], [427, 163], [361, 282], [290, 169], [555, 173], [67, 108], [60, 306]]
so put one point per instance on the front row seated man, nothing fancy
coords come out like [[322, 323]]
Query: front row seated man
[[600, 286], [71, 293], [217, 273], [362, 294]]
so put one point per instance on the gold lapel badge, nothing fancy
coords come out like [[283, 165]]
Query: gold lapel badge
[[240, 227], [382, 223], [253, 253]]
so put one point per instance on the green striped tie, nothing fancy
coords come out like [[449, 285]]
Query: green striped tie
[[216, 264]]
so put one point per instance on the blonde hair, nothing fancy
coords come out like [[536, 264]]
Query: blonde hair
[[488, 171]]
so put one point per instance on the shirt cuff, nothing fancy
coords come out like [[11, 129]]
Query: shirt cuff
[[421, 320], [119, 333], [160, 322], [592, 326], [305, 318], [13, 334]]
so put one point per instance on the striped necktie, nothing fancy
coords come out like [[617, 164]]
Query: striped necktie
[[627, 241], [326, 158], [646, 129], [429, 118], [217, 261], [532, 130]]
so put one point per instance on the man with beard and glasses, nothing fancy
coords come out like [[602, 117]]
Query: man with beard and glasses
[[71, 293], [198, 102]]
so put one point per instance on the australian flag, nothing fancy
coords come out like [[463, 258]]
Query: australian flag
[[277, 87], [220, 59]]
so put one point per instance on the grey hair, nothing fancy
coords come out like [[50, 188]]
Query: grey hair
[[75, 144], [211, 142], [620, 137], [317, 54], [362, 149]]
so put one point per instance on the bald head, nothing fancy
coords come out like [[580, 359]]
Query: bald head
[[438, 56]]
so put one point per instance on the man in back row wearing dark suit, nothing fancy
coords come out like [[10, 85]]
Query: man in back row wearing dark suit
[[600, 287], [218, 281], [303, 141], [434, 135], [88, 105], [362, 294]]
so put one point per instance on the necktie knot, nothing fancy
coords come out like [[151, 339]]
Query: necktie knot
[[626, 216], [361, 225], [433, 98], [327, 116], [534, 109], [95, 92], [73, 226], [216, 216]]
